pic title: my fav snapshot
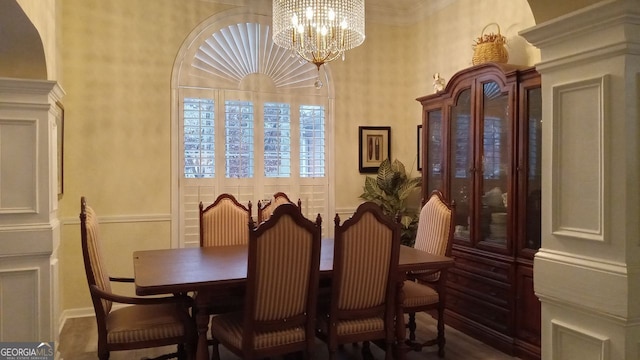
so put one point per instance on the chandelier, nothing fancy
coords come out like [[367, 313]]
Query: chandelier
[[318, 31]]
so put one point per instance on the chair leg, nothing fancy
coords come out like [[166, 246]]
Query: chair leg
[[332, 347], [366, 351], [215, 353], [389, 351], [181, 353], [441, 340], [412, 326], [102, 353], [332, 354]]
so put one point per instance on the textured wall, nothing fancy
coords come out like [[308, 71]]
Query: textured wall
[[117, 60]]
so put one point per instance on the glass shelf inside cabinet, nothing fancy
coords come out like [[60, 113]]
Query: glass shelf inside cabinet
[[461, 176], [434, 151], [495, 166]]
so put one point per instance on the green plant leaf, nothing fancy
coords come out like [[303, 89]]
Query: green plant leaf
[[385, 176], [371, 189], [390, 189], [398, 167], [408, 187], [406, 221]]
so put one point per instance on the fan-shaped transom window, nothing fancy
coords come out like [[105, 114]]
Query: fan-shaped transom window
[[236, 51], [252, 123]]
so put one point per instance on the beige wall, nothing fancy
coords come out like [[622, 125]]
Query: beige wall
[[117, 59]]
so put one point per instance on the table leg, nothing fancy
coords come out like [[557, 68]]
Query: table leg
[[202, 323]]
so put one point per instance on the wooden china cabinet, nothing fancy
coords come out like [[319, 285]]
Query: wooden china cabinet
[[482, 149]]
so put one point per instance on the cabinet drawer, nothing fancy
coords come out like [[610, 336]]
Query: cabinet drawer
[[488, 268], [482, 312], [490, 290]]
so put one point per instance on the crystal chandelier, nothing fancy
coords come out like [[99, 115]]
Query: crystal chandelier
[[318, 31]]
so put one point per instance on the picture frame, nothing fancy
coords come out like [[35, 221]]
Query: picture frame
[[374, 143], [419, 147], [60, 146]]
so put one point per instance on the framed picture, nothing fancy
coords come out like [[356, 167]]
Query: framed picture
[[60, 131], [374, 146], [419, 142]]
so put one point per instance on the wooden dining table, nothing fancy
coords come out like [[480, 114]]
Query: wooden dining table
[[206, 270]]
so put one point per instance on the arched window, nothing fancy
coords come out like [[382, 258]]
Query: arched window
[[249, 121]]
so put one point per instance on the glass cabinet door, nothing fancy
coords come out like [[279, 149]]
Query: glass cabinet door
[[432, 168], [460, 172], [494, 166], [534, 169]]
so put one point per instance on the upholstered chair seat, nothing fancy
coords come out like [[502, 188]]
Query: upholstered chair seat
[[132, 324], [356, 326], [416, 294], [229, 330]]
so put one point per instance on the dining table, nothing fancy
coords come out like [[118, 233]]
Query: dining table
[[206, 270]]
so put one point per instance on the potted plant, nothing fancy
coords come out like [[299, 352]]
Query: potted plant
[[392, 189]]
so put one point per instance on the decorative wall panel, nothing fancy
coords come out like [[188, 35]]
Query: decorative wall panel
[[19, 302], [570, 343], [18, 163], [578, 178]]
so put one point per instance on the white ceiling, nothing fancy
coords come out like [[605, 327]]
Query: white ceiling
[[402, 12], [391, 12]]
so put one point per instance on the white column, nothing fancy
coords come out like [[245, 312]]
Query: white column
[[29, 226], [587, 273]]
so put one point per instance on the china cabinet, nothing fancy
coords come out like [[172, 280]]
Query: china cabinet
[[482, 148]]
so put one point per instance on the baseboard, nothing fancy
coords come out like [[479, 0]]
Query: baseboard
[[80, 313], [73, 313], [70, 314]]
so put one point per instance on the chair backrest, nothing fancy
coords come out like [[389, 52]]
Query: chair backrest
[[282, 273], [94, 264], [266, 208], [224, 222], [435, 226], [366, 251]]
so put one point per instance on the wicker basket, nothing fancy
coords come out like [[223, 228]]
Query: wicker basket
[[490, 47]]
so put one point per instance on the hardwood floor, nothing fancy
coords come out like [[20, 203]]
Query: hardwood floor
[[78, 341]]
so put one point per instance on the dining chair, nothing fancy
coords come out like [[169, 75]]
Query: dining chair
[[266, 208], [147, 322], [426, 290], [281, 292], [364, 281], [224, 222]]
